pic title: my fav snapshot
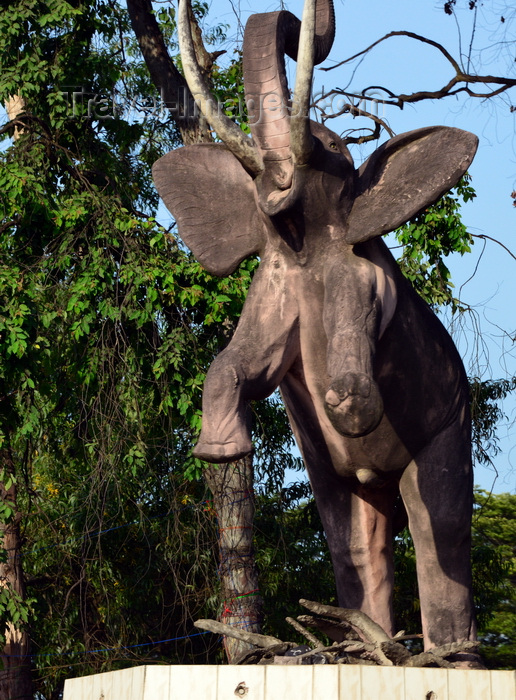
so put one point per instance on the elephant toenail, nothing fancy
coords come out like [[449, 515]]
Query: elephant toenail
[[332, 398]]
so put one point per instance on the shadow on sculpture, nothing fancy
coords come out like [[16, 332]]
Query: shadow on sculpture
[[375, 390]]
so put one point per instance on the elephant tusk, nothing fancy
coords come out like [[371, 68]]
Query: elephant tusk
[[232, 136], [301, 141]]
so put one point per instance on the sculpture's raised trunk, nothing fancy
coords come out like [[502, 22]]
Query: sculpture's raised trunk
[[266, 90], [268, 37]]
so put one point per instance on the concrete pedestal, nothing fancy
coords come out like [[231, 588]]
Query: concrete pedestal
[[292, 683]]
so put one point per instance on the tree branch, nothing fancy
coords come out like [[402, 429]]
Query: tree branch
[[259, 640], [312, 639], [489, 238], [411, 35], [204, 57], [447, 90], [370, 629], [8, 224], [14, 106], [163, 72], [20, 121], [355, 111]]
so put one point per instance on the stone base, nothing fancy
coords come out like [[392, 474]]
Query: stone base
[[292, 683]]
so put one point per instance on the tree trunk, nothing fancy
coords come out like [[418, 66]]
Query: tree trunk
[[231, 484], [233, 499], [15, 669], [14, 106], [164, 74], [15, 666]]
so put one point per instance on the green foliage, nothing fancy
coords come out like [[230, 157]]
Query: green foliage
[[14, 608], [407, 612], [486, 414], [7, 505], [229, 90], [428, 239], [494, 531]]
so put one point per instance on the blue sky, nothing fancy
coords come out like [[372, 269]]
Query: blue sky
[[487, 277]]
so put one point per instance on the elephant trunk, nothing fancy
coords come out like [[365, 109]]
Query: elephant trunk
[[283, 140], [266, 90]]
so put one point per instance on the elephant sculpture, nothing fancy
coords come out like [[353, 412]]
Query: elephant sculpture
[[374, 387]]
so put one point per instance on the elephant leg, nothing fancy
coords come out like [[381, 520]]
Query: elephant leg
[[264, 346], [358, 525], [351, 320], [225, 435], [437, 490]]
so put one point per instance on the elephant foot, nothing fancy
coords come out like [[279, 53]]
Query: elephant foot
[[353, 404], [218, 453]]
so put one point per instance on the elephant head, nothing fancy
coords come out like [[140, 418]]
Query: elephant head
[[294, 183], [223, 195]]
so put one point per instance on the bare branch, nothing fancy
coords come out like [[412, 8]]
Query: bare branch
[[370, 629], [489, 238], [405, 637], [374, 646], [355, 111], [504, 83], [302, 630], [336, 630], [427, 659], [259, 640], [438, 655], [411, 35]]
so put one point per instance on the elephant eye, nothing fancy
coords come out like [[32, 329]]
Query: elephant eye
[[333, 145]]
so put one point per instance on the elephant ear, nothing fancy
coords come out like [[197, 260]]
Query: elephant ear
[[404, 176], [212, 198]]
